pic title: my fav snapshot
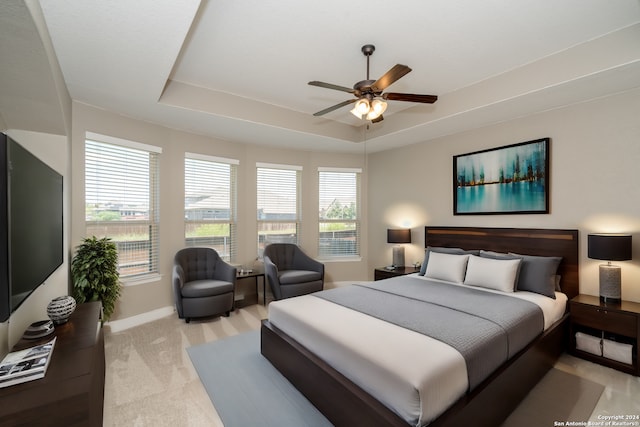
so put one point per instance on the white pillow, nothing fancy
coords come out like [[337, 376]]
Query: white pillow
[[447, 267], [498, 274]]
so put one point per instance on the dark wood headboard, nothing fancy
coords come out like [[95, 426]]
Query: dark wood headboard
[[526, 241]]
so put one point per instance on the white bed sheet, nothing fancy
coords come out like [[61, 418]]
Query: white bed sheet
[[416, 376]]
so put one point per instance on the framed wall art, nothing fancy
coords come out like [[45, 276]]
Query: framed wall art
[[513, 179]]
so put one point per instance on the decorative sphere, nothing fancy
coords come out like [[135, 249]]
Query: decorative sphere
[[60, 308]]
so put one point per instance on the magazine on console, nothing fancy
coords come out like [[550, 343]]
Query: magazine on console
[[26, 365]]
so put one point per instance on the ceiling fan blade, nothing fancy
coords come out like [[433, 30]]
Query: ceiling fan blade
[[377, 119], [335, 107], [425, 99], [390, 77], [331, 86]]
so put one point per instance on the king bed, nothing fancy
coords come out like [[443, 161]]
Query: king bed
[[461, 343]]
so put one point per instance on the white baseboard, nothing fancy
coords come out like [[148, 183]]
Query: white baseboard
[[140, 319]]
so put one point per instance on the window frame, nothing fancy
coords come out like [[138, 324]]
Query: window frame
[[232, 221], [357, 221], [152, 223], [297, 221]]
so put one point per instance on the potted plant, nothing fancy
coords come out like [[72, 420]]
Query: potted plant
[[94, 270]]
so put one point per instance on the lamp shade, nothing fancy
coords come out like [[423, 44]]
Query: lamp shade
[[399, 236], [609, 247]]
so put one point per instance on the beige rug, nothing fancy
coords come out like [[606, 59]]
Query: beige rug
[[558, 397]]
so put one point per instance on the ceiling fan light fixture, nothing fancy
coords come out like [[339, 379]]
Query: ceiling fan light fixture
[[372, 115], [362, 106], [370, 100], [378, 107]]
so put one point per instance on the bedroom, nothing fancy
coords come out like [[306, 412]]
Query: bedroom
[[593, 158]]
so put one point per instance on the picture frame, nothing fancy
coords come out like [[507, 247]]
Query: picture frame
[[512, 179]]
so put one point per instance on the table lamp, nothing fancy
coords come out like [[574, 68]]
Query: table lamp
[[398, 236], [610, 247]]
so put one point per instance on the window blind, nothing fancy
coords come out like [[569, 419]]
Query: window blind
[[278, 203], [339, 212], [121, 202], [210, 200]]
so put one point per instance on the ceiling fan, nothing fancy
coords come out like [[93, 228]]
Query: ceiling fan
[[369, 99]]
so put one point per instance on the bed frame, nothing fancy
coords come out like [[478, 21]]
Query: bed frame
[[346, 404]]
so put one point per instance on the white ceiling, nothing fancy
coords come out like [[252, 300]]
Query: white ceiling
[[238, 70]]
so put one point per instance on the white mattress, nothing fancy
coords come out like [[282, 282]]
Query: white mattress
[[416, 376]]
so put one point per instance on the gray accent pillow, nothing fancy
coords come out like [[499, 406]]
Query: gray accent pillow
[[442, 250], [498, 255], [538, 274], [558, 280]]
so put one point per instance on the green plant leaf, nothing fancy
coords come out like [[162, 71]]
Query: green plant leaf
[[94, 271]]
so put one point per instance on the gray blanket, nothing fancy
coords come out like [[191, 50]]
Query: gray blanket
[[486, 328]]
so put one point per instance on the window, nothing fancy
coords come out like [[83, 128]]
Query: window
[[210, 203], [339, 212], [278, 204], [121, 200]]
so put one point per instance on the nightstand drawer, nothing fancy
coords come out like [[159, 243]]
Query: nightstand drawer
[[382, 272], [604, 319]]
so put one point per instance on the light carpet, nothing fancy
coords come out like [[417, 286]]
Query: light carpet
[[558, 397], [247, 390]]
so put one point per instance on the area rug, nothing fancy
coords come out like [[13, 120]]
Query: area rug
[[247, 390]]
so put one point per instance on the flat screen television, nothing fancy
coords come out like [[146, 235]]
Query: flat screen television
[[31, 224]]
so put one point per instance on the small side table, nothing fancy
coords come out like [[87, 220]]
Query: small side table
[[256, 272], [619, 322], [382, 272]]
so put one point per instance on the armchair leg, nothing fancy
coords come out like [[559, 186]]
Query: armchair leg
[[187, 319], [227, 314]]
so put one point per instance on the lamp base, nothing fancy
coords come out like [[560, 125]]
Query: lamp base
[[610, 279], [398, 256]]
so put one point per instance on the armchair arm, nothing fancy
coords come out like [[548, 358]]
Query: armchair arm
[[305, 262], [271, 271], [225, 271], [177, 281]]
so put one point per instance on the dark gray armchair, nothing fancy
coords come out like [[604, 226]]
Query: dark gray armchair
[[203, 284], [291, 272]]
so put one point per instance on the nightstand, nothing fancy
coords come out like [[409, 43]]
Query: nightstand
[[382, 273], [608, 331]]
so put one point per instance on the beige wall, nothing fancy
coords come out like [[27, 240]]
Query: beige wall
[[595, 152], [141, 298], [595, 186]]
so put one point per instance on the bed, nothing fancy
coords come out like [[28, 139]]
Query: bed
[[484, 400]]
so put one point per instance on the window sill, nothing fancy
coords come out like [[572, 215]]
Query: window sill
[[141, 280]]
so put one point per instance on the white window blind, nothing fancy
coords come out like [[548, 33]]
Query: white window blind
[[121, 202], [339, 212], [278, 202], [210, 194]]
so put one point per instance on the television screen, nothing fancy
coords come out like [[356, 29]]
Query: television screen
[[34, 199]]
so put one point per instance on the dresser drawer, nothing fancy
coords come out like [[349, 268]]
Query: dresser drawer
[[606, 320]]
